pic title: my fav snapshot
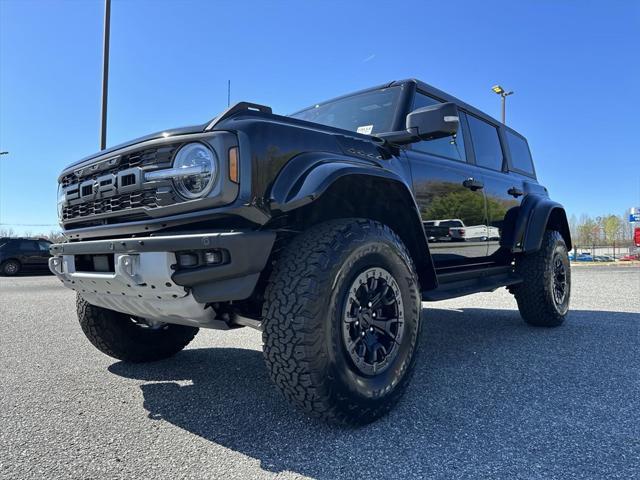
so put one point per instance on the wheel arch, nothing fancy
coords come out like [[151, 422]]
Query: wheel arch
[[538, 214], [329, 189]]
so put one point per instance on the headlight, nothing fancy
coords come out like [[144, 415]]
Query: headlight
[[196, 169]]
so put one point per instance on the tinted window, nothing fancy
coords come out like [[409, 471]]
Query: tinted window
[[486, 143], [369, 112], [451, 223], [27, 245], [520, 154], [44, 246], [449, 147]]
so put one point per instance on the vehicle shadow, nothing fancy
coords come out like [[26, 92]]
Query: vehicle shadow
[[491, 397]]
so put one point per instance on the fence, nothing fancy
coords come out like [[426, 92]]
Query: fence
[[609, 250]]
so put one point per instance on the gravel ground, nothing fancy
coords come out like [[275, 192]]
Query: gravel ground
[[491, 398]]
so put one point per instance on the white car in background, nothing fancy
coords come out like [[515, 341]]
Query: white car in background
[[460, 232]]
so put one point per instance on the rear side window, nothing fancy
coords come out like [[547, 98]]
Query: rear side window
[[520, 154], [448, 147], [27, 245], [486, 143], [451, 223]]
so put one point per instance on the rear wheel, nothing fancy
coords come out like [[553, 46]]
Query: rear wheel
[[131, 339], [341, 321], [543, 296], [11, 267]]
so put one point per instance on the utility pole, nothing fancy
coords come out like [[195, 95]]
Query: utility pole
[[105, 74], [503, 96], [228, 93]]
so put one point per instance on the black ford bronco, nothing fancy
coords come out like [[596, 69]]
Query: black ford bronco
[[324, 229]]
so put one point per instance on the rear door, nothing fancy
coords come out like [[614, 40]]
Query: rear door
[[504, 182], [446, 192]]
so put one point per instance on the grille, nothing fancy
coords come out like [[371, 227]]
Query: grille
[[117, 203], [141, 158]]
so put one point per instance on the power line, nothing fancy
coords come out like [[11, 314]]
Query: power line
[[30, 224]]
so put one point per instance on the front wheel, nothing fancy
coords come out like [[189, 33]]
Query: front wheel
[[131, 339], [341, 321], [543, 296]]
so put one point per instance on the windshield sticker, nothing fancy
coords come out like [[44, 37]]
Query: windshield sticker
[[366, 129]]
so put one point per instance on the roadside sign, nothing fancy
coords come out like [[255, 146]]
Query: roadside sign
[[634, 217]]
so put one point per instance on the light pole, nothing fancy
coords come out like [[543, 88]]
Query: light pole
[[503, 95], [105, 73]]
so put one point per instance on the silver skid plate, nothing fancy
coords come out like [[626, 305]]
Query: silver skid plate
[[141, 286]]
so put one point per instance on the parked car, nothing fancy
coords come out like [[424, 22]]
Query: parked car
[[23, 255], [310, 229], [584, 257], [630, 257]]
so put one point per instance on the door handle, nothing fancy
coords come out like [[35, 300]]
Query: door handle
[[472, 184], [515, 192]]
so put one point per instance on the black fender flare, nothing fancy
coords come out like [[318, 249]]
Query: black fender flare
[[535, 215], [307, 177]]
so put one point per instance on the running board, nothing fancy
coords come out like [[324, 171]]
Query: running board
[[465, 286]]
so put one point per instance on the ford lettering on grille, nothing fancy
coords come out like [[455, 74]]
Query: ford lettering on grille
[[105, 186]]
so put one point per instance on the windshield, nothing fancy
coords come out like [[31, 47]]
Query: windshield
[[368, 113]]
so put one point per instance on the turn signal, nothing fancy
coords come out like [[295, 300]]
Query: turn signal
[[234, 175]]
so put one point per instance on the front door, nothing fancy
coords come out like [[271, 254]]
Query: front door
[[450, 199]]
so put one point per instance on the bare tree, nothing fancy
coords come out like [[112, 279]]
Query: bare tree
[[6, 232]]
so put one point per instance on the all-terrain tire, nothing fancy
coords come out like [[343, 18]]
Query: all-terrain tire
[[537, 302], [10, 268], [117, 335], [303, 334]]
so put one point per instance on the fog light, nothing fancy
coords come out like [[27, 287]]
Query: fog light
[[188, 259], [212, 257]]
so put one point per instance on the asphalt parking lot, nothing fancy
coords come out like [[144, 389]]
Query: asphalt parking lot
[[491, 398]]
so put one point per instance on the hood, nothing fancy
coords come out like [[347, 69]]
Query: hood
[[162, 134]]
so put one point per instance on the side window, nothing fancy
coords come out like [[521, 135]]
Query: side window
[[486, 143], [44, 246], [448, 147], [520, 154], [28, 245]]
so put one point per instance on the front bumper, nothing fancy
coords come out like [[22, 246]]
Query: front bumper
[[147, 281]]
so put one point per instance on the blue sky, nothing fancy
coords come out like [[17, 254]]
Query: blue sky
[[573, 65]]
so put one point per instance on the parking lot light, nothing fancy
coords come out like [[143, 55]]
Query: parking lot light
[[503, 96]]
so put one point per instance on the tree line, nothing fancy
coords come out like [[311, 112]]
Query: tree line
[[56, 236], [606, 230]]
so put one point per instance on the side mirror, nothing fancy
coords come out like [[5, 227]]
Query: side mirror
[[427, 123]]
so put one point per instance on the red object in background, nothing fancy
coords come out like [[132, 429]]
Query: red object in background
[[636, 236]]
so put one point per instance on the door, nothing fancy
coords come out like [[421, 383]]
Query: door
[[504, 189], [29, 253], [42, 260], [451, 200]]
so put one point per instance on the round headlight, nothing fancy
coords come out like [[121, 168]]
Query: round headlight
[[197, 169]]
